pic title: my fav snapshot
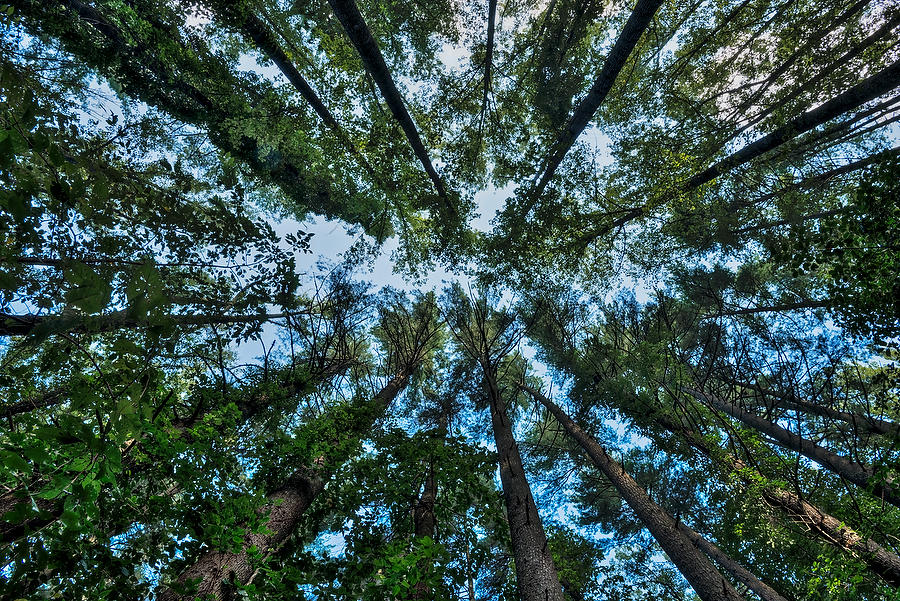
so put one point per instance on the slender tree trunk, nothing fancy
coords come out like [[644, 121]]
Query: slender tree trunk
[[857, 473], [23, 325], [821, 178], [706, 580], [358, 31], [255, 30], [488, 58], [220, 572], [635, 26], [536, 575], [771, 309], [825, 527], [48, 399], [868, 89], [862, 423], [737, 571]]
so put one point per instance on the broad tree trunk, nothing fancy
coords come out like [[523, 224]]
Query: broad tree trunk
[[220, 572], [857, 473], [868, 89], [635, 26], [423, 525], [825, 527], [706, 580], [52, 509], [536, 575], [737, 571]]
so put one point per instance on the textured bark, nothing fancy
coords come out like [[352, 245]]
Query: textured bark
[[358, 31], [857, 473], [52, 509], [868, 89], [860, 422], [737, 571], [23, 325], [489, 56], [536, 575], [825, 527], [48, 399], [219, 573], [423, 525], [635, 26], [706, 580]]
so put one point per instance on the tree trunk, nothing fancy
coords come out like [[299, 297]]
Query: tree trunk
[[536, 575], [868, 89], [221, 572], [52, 509], [488, 58], [255, 30], [863, 423], [358, 31], [706, 580], [635, 26], [857, 473], [809, 304], [423, 525], [737, 571], [23, 325], [826, 528]]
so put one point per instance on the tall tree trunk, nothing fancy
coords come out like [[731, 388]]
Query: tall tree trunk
[[868, 89], [808, 304], [857, 473], [358, 31], [488, 59], [220, 572], [536, 575], [860, 422], [51, 509], [255, 30], [635, 26], [737, 571], [423, 525], [23, 325], [706, 580], [825, 527]]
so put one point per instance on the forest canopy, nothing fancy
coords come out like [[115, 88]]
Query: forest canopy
[[662, 362]]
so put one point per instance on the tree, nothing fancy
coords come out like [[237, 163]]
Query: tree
[[694, 245]]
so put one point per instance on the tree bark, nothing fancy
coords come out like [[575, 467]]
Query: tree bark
[[52, 509], [423, 526], [863, 423], [536, 575], [868, 89], [221, 572], [857, 473], [635, 26], [706, 580], [23, 325], [826, 528], [737, 571], [358, 31], [488, 57]]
